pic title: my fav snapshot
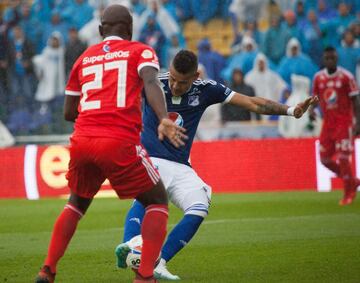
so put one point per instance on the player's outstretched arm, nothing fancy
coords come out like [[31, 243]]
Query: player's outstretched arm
[[71, 104], [156, 99], [268, 107]]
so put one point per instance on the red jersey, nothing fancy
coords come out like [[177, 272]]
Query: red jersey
[[334, 92], [106, 77]]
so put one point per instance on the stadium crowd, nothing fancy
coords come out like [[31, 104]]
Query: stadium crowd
[[41, 39]]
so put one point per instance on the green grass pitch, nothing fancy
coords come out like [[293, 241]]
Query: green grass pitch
[[265, 237]]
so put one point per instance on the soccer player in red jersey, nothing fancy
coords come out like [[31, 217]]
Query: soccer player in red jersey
[[338, 96], [103, 98]]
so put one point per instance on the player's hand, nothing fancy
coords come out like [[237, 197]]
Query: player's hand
[[302, 107], [176, 134]]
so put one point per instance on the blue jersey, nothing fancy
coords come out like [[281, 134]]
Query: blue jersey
[[186, 110]]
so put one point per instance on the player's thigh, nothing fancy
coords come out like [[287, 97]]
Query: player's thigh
[[188, 189], [167, 170], [130, 171], [327, 145], [84, 176], [344, 141]]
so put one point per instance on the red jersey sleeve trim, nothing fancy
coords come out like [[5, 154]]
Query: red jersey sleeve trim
[[142, 65], [72, 93]]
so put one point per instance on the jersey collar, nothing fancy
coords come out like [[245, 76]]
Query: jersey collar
[[112, 37], [331, 75]]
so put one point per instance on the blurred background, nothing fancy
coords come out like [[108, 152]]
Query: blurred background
[[257, 47]]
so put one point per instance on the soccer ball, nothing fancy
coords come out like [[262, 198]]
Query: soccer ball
[[133, 258]]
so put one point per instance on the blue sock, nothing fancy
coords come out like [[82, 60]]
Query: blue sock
[[181, 235], [133, 221]]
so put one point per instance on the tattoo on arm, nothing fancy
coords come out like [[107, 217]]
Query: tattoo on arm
[[272, 108]]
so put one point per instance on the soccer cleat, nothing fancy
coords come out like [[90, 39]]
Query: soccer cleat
[[161, 272], [350, 195], [45, 275], [140, 279], [121, 253]]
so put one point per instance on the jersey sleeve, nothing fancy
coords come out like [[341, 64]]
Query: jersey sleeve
[[353, 87], [73, 86], [218, 93], [147, 57]]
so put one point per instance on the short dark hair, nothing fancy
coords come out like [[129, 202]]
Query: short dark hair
[[185, 62], [329, 49]]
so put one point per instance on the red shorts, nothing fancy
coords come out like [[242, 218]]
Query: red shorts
[[127, 167], [337, 140]]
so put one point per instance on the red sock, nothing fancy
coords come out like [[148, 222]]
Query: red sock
[[153, 231], [63, 231], [346, 173]]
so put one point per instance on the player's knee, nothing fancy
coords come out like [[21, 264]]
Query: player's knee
[[80, 203], [200, 202], [199, 209], [325, 161]]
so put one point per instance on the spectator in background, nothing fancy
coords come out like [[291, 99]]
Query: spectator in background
[[275, 40], [213, 61], [300, 13], [325, 12], [50, 69], [349, 52], [292, 27], [243, 9], [77, 14], [231, 112], [243, 60], [4, 55], [313, 41], [266, 83], [205, 11], [21, 52], [333, 29], [152, 35], [89, 33], [170, 7], [56, 24], [251, 30], [31, 26], [295, 62], [12, 13], [41, 10], [355, 28], [163, 18], [73, 49], [6, 138], [173, 49]]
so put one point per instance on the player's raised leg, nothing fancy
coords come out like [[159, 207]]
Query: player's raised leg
[[63, 231]]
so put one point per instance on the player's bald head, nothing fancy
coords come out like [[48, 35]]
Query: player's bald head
[[116, 20]]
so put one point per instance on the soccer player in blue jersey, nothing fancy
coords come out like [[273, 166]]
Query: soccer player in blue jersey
[[187, 98]]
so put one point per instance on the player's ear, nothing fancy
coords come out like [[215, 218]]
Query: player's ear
[[101, 30], [196, 76]]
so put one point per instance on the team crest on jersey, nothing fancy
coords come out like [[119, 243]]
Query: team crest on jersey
[[106, 48], [194, 100], [147, 54]]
